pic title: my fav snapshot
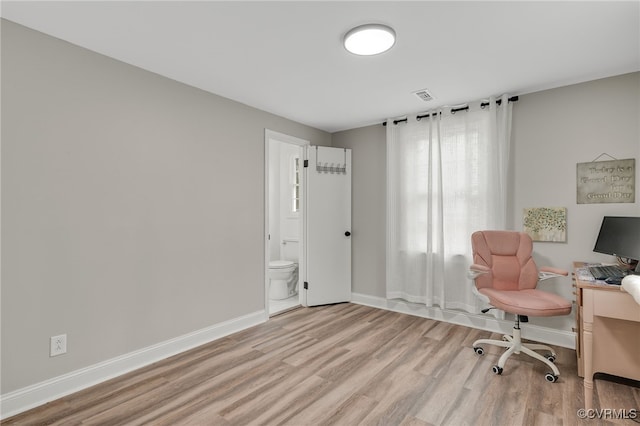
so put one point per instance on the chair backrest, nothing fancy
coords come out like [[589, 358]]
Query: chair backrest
[[508, 255]]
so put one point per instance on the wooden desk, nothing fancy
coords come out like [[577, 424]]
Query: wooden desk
[[607, 333]]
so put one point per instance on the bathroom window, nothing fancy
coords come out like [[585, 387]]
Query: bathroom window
[[295, 179]]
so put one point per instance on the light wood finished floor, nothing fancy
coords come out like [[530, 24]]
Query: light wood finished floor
[[343, 364]]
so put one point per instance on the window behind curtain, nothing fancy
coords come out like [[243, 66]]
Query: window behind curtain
[[445, 180], [465, 157]]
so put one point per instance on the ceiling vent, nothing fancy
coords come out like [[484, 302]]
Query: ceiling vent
[[424, 95]]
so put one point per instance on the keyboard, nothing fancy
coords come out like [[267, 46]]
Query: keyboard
[[608, 271]]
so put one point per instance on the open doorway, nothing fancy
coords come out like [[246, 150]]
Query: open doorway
[[284, 221]]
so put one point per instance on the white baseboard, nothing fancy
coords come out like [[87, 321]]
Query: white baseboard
[[565, 339], [32, 396]]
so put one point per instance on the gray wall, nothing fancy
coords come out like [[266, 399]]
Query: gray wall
[[368, 208], [552, 131], [132, 206]]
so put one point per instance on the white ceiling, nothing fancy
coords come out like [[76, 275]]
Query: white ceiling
[[287, 57]]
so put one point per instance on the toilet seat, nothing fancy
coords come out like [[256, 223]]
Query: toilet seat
[[280, 264]]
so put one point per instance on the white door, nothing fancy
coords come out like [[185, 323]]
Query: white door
[[328, 226]]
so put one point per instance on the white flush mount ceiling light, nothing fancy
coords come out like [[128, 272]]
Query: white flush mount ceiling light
[[369, 39]]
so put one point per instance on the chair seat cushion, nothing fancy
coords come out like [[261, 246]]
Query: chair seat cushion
[[532, 302]]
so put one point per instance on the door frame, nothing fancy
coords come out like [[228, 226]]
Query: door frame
[[270, 135]]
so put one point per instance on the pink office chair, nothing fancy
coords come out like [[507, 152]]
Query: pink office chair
[[506, 277]]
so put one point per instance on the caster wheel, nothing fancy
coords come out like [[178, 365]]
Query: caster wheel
[[550, 377], [478, 350], [551, 358], [496, 370]]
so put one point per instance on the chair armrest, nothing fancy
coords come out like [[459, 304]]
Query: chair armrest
[[554, 271], [480, 268], [477, 270], [547, 272]]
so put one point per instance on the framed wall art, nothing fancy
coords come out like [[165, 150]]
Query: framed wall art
[[546, 223]]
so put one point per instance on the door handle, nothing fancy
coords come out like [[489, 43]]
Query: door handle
[[347, 233]]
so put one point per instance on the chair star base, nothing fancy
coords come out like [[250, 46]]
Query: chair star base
[[514, 345]]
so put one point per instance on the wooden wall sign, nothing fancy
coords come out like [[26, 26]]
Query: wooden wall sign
[[606, 182]]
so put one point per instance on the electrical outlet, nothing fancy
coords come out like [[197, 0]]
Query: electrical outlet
[[58, 345]]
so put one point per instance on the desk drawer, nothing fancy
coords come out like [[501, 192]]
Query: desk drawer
[[613, 304]]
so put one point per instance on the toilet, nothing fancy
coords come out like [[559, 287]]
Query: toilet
[[283, 274], [283, 279]]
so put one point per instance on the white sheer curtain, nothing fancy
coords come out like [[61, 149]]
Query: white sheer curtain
[[446, 178]]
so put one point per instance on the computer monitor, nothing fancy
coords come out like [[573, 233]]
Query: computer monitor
[[620, 236]]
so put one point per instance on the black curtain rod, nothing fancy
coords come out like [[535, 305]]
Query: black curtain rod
[[404, 120], [453, 110], [464, 108], [499, 101], [420, 117]]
